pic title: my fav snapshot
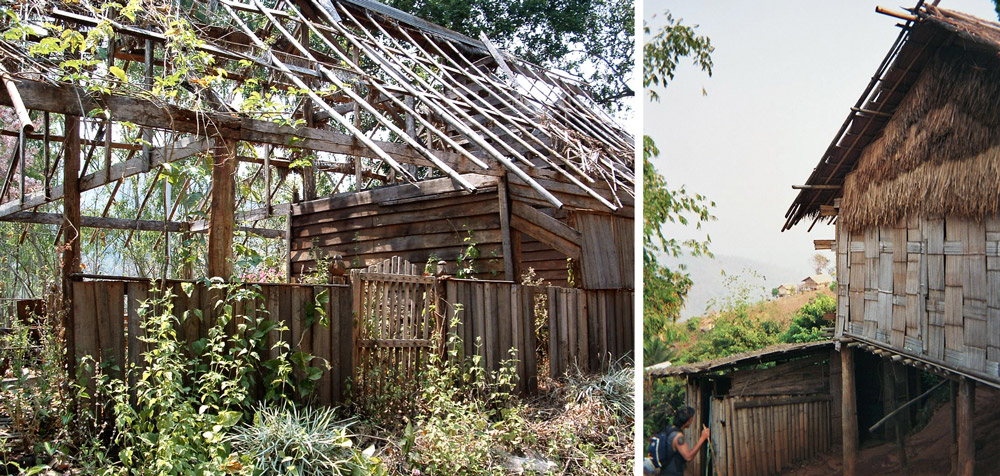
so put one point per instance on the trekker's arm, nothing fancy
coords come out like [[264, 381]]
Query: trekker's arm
[[681, 446]]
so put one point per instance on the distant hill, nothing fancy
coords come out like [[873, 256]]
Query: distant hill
[[709, 282]]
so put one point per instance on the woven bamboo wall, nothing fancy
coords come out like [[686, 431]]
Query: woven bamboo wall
[[928, 287]]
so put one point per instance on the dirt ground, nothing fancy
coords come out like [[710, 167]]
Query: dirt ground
[[928, 451]]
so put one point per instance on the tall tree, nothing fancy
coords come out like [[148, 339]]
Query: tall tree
[[819, 262], [665, 289], [589, 38]]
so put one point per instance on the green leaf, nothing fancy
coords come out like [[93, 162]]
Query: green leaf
[[119, 73]]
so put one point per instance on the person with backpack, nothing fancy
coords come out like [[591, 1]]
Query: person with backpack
[[668, 451]]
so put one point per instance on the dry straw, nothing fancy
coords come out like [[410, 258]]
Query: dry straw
[[939, 155]]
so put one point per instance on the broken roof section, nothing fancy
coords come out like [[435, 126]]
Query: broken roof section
[[351, 78], [754, 357], [879, 118]]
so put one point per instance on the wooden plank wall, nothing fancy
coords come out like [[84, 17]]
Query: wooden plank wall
[[414, 223], [548, 263], [797, 377], [588, 328], [496, 321], [607, 237], [107, 323], [607, 257], [763, 435], [929, 288]]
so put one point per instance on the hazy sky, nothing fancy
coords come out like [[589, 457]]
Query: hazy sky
[[785, 76]]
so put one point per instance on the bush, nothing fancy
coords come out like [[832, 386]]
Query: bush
[[187, 397], [808, 323], [467, 415], [34, 396]]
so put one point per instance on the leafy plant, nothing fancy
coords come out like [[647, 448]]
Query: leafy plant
[[187, 397], [467, 414], [467, 257]]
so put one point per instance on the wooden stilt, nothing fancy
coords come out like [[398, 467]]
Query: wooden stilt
[[849, 413], [954, 424], [966, 437]]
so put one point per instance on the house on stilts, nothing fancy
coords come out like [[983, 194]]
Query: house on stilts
[[417, 172], [912, 181]]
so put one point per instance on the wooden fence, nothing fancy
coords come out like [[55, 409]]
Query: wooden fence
[[107, 323], [761, 436], [396, 319], [589, 329]]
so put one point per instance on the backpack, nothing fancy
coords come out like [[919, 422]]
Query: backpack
[[660, 447]]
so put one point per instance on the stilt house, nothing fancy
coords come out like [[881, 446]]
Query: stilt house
[[912, 180]]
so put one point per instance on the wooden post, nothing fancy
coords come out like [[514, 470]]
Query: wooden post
[[288, 238], [508, 256], [849, 411], [411, 129], [953, 448], [222, 211], [187, 270], [966, 437], [147, 80], [70, 231], [358, 167], [895, 426], [308, 172]]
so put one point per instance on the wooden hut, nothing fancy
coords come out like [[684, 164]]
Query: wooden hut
[[763, 418], [814, 282], [912, 180]]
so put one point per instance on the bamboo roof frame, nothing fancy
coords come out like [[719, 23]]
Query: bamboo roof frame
[[469, 113]]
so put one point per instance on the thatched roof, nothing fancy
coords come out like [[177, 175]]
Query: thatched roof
[[924, 138], [754, 357]]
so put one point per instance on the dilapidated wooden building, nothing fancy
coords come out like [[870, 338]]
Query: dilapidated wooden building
[[767, 409], [343, 131], [912, 180]]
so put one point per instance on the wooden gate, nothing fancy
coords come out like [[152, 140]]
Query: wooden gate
[[397, 327]]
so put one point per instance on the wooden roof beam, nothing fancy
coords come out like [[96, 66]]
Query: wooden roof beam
[[129, 224], [453, 121], [66, 99]]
